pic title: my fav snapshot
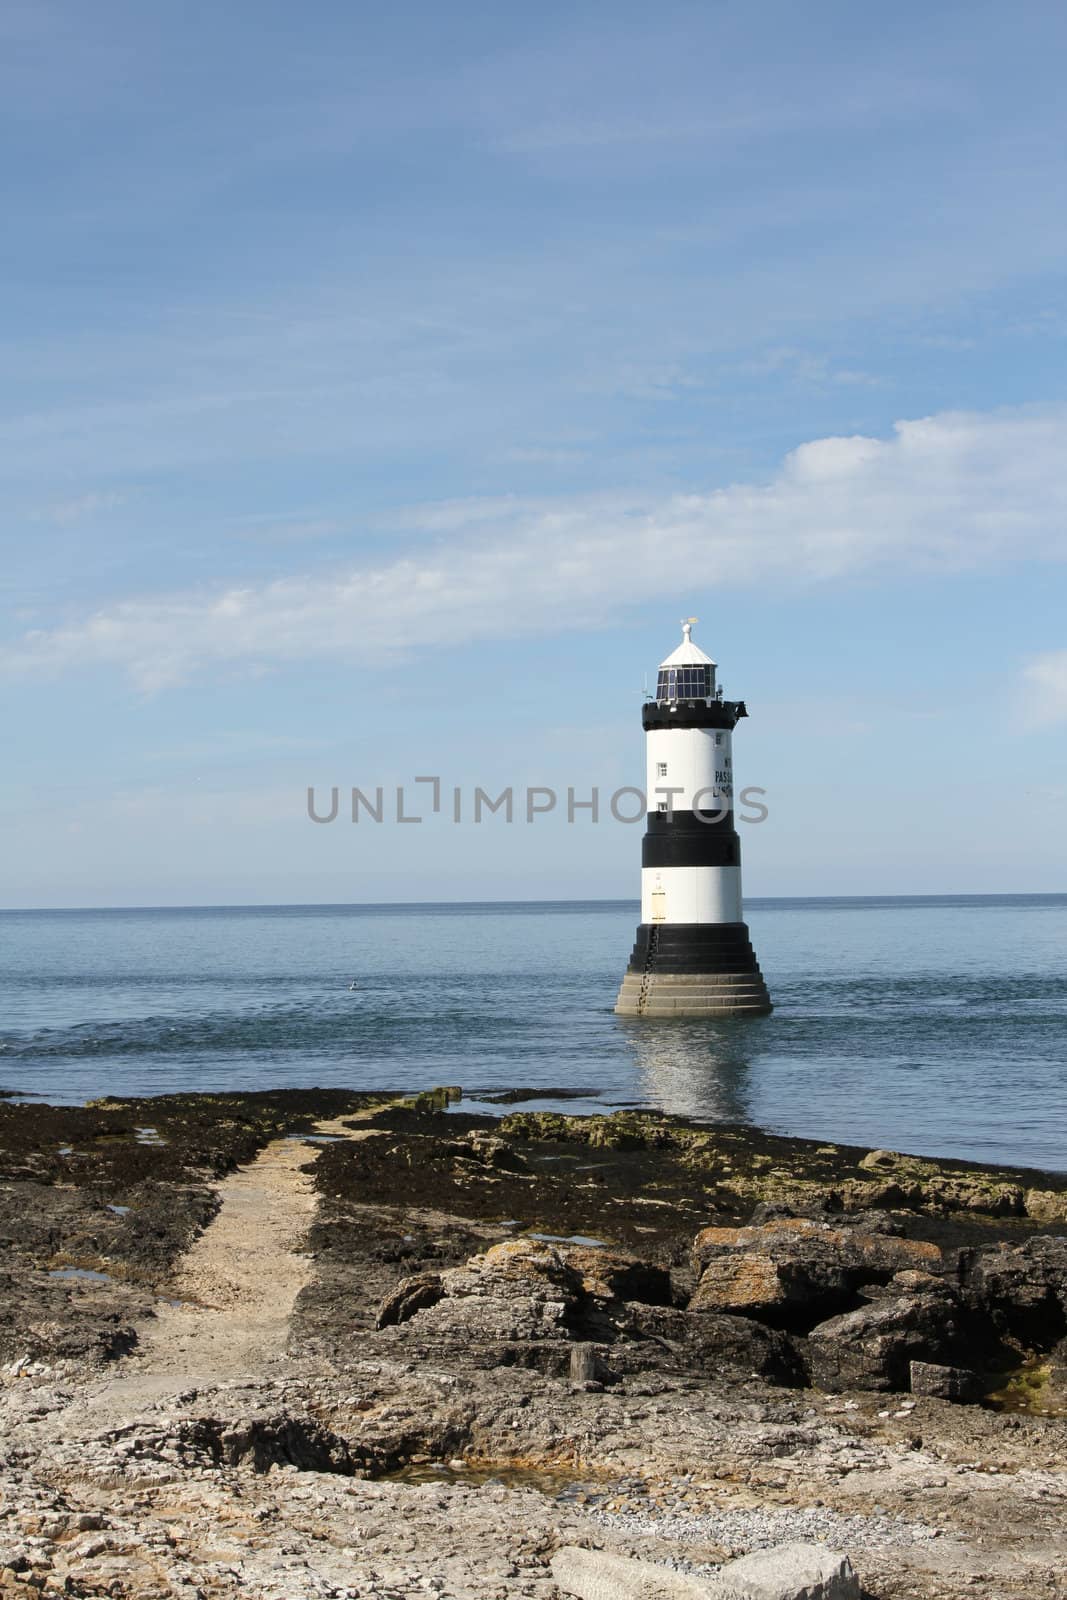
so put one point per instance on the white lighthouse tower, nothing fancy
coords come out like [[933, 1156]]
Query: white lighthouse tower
[[692, 957]]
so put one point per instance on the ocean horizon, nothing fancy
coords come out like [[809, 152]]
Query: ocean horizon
[[632, 902]]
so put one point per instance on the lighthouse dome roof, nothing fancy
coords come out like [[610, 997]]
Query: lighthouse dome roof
[[688, 654]]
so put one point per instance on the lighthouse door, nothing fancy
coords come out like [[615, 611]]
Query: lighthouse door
[[659, 905]]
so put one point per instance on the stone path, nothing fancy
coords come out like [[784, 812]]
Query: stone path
[[225, 1314], [236, 1287]]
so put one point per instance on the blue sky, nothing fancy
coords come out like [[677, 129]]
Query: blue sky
[[380, 385]]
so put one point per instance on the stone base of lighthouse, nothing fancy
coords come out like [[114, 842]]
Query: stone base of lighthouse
[[692, 969]]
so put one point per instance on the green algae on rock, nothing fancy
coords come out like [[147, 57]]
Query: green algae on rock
[[761, 1166]]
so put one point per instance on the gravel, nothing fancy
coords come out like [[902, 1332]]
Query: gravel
[[740, 1531]]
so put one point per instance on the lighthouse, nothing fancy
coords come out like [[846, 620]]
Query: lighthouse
[[693, 957]]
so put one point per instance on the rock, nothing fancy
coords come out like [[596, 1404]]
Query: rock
[[1046, 1205], [584, 1364], [717, 1343], [518, 1290], [527, 1289], [613, 1275], [871, 1250], [945, 1383], [629, 1130], [906, 1181], [751, 1285], [794, 1267], [490, 1151], [909, 1282], [410, 1295], [588, 1369], [792, 1572], [1022, 1288], [770, 1211], [873, 1347], [871, 1221], [897, 1193], [967, 1193], [786, 1572], [709, 1344], [866, 1220], [598, 1575], [515, 1263], [881, 1160]]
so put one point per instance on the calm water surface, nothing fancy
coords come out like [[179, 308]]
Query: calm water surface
[[931, 1025]]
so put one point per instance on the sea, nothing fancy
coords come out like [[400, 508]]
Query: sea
[[935, 1025]]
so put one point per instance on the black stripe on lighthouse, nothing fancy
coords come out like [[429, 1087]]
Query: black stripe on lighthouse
[[684, 841]]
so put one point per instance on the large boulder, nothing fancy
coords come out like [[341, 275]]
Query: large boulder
[[792, 1269], [1021, 1288], [519, 1290], [791, 1572], [785, 1572], [873, 1251], [752, 1285], [721, 1346], [614, 1275], [874, 1346], [600, 1575], [528, 1289]]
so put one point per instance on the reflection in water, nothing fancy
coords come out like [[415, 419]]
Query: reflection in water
[[695, 1068]]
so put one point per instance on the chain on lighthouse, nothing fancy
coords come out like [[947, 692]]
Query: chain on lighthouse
[[693, 957]]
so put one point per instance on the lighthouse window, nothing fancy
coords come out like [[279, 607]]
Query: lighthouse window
[[661, 769], [683, 683]]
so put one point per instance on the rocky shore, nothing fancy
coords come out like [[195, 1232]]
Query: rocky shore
[[329, 1344]]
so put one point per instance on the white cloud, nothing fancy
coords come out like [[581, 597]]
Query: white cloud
[[1045, 679], [953, 491]]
